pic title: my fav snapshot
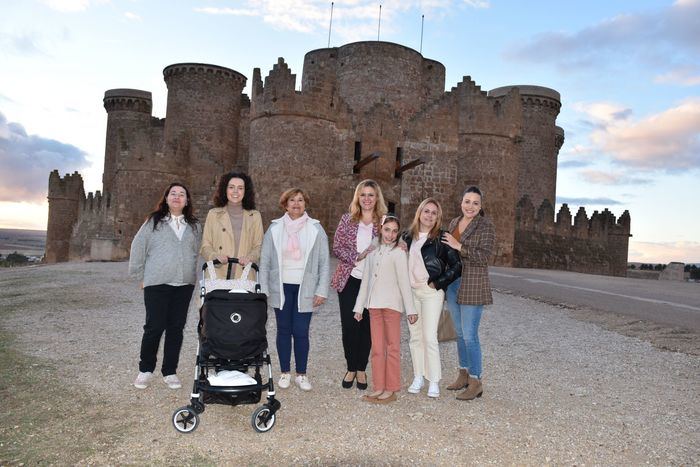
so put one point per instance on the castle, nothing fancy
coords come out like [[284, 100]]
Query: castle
[[365, 110]]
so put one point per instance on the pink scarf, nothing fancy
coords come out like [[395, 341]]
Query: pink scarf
[[293, 227]]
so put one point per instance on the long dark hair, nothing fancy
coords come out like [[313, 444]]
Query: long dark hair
[[162, 211], [474, 189], [220, 198]]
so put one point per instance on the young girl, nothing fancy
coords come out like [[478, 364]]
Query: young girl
[[386, 291]]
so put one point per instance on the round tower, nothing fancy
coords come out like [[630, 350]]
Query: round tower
[[375, 72], [541, 140], [128, 110], [202, 122]]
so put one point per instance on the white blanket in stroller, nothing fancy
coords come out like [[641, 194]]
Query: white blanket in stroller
[[230, 378]]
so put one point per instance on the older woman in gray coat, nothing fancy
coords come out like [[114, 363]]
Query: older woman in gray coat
[[294, 273]]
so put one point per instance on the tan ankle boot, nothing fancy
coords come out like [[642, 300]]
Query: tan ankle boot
[[461, 381], [474, 390]]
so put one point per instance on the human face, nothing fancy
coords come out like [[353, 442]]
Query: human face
[[368, 198], [235, 190], [428, 217], [296, 206], [471, 205], [176, 200], [390, 230]]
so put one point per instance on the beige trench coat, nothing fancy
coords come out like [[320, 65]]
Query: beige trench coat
[[217, 238]]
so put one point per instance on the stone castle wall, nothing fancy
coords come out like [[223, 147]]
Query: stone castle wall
[[364, 110]]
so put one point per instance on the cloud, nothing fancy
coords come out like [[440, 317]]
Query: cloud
[[588, 201], [132, 16], [67, 5], [352, 20], [664, 252], [27, 160], [4, 98], [573, 164], [20, 44], [684, 76], [668, 140], [667, 37], [600, 177]]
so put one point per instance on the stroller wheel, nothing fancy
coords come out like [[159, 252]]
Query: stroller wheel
[[262, 420], [185, 419], [198, 406]]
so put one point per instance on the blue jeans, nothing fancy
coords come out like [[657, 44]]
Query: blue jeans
[[291, 323], [466, 320]]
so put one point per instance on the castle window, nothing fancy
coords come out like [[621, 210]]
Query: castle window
[[358, 155], [399, 162]]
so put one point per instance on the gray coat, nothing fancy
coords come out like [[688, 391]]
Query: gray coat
[[316, 265], [159, 257]]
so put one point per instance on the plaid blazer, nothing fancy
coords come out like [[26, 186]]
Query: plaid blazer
[[345, 249], [478, 241]]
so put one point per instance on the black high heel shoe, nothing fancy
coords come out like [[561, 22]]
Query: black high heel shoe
[[361, 386], [348, 384]]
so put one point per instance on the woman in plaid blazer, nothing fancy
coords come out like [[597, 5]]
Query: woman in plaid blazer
[[467, 296]]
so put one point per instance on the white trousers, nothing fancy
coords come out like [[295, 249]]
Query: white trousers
[[425, 352]]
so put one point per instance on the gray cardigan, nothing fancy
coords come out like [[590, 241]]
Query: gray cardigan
[[316, 265], [159, 257]]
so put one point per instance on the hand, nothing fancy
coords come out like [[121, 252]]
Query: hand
[[243, 260], [364, 254], [142, 285], [403, 246], [358, 317], [318, 300], [222, 259], [452, 242], [412, 319], [431, 285]]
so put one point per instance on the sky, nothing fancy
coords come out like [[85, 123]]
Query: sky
[[628, 72]]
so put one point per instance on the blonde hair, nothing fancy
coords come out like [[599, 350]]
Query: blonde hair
[[415, 225], [293, 192], [379, 208]]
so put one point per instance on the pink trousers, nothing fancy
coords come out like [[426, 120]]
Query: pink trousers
[[385, 327]]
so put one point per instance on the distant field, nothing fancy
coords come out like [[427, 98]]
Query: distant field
[[27, 242]]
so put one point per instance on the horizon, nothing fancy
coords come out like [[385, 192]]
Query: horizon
[[628, 74]]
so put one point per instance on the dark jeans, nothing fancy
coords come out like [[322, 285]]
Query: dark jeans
[[291, 323], [166, 311], [357, 340]]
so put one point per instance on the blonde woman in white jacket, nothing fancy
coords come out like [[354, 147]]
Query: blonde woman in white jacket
[[386, 292]]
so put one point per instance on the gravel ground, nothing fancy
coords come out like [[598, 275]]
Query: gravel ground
[[557, 390]]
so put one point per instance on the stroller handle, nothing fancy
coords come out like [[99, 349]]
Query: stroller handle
[[231, 262]]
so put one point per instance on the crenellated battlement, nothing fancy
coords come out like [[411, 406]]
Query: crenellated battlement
[[600, 225], [96, 202], [559, 137], [70, 187], [280, 82], [202, 69], [133, 100], [532, 96]]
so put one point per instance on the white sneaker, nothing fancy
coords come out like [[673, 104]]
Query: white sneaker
[[416, 385], [303, 382], [143, 379], [173, 381], [433, 390], [285, 381]]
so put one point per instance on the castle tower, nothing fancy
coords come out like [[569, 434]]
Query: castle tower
[[65, 197], [489, 136], [128, 111], [541, 140], [202, 123]]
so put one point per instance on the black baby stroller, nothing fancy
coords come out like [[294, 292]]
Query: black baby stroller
[[232, 340]]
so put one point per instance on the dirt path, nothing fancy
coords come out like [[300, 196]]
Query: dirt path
[[558, 390]]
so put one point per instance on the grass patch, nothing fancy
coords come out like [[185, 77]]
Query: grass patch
[[45, 421]]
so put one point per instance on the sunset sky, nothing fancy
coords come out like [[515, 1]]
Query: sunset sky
[[628, 73]]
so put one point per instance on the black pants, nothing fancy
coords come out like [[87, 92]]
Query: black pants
[[166, 311], [356, 335]]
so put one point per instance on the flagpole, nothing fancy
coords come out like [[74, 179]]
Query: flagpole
[[422, 21], [379, 26], [330, 26]]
